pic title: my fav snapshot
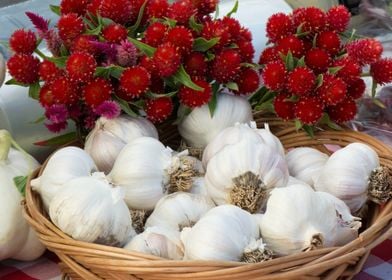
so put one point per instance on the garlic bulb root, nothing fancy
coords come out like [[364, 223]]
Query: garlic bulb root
[[380, 185], [316, 242], [181, 179], [139, 218], [249, 192], [193, 151], [256, 252]]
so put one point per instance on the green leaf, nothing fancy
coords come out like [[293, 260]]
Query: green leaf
[[298, 124], [214, 99], [374, 87], [301, 62], [39, 120], [20, 183], [314, 42], [182, 77], [293, 98], [233, 46], [325, 119], [210, 56], [55, 9], [34, 90], [309, 130], [183, 111], [156, 95], [106, 21], [59, 61], [133, 29], [15, 82], [232, 86], [125, 107], [233, 10], [88, 22], [170, 22], [94, 31], [266, 107], [63, 51], [289, 61], [249, 65], [334, 70], [146, 49], [194, 25], [319, 80], [299, 28], [109, 71], [58, 140], [202, 45], [379, 103]]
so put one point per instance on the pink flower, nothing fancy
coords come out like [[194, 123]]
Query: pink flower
[[89, 122], [41, 24], [108, 109], [53, 41], [126, 54], [109, 50], [57, 113], [56, 127]]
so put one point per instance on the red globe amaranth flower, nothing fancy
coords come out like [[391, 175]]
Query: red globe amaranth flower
[[93, 7], [73, 6], [195, 98], [333, 90], [216, 29], [246, 50], [166, 59], [159, 109], [268, 55], [48, 71], [381, 71], [329, 41], [46, 97], [234, 27], [195, 64], [205, 7], [114, 33], [148, 64], [226, 66], [181, 37], [157, 85], [23, 41], [24, 68], [309, 19], [70, 26], [308, 110], [365, 51], [157, 8], [248, 81], [83, 43], [97, 91], [350, 70], [274, 75], [119, 11], [81, 67], [279, 26], [318, 60], [284, 108], [154, 34], [338, 18], [135, 81], [292, 44], [181, 11], [63, 91], [356, 88], [301, 81], [343, 112]]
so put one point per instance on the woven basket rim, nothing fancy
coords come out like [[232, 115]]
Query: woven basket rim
[[379, 230]]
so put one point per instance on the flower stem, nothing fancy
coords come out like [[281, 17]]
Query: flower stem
[[367, 74], [5, 144], [40, 54]]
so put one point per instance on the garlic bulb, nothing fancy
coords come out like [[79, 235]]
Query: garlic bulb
[[148, 170], [294, 181], [270, 139], [353, 174], [306, 164], [109, 136], [199, 128], [158, 241], [225, 233], [64, 165], [244, 173], [299, 219], [89, 209], [199, 187], [179, 210]]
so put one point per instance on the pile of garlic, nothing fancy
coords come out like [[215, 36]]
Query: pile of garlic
[[246, 200]]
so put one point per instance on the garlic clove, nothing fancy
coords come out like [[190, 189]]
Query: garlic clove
[[271, 140]]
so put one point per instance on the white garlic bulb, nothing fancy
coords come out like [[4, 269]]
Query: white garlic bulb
[[244, 173], [109, 136], [270, 139], [89, 209], [148, 170], [199, 128], [158, 241], [353, 174], [225, 233], [64, 165], [299, 219], [230, 136], [199, 187], [294, 181], [179, 210], [306, 164]]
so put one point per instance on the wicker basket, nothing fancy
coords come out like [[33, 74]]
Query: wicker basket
[[81, 260]]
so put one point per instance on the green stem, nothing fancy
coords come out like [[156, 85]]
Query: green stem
[[24, 153], [5, 144], [41, 54], [367, 74]]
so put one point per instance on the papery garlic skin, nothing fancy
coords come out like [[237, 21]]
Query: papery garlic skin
[[64, 165], [199, 187], [148, 170], [298, 219], [109, 136], [306, 164], [270, 139], [244, 173], [294, 181], [179, 210], [158, 241], [222, 234], [346, 174], [89, 209], [199, 128]]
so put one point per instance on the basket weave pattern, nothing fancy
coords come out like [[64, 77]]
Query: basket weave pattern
[[81, 260]]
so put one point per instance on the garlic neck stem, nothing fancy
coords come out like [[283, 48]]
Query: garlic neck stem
[[5, 144]]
